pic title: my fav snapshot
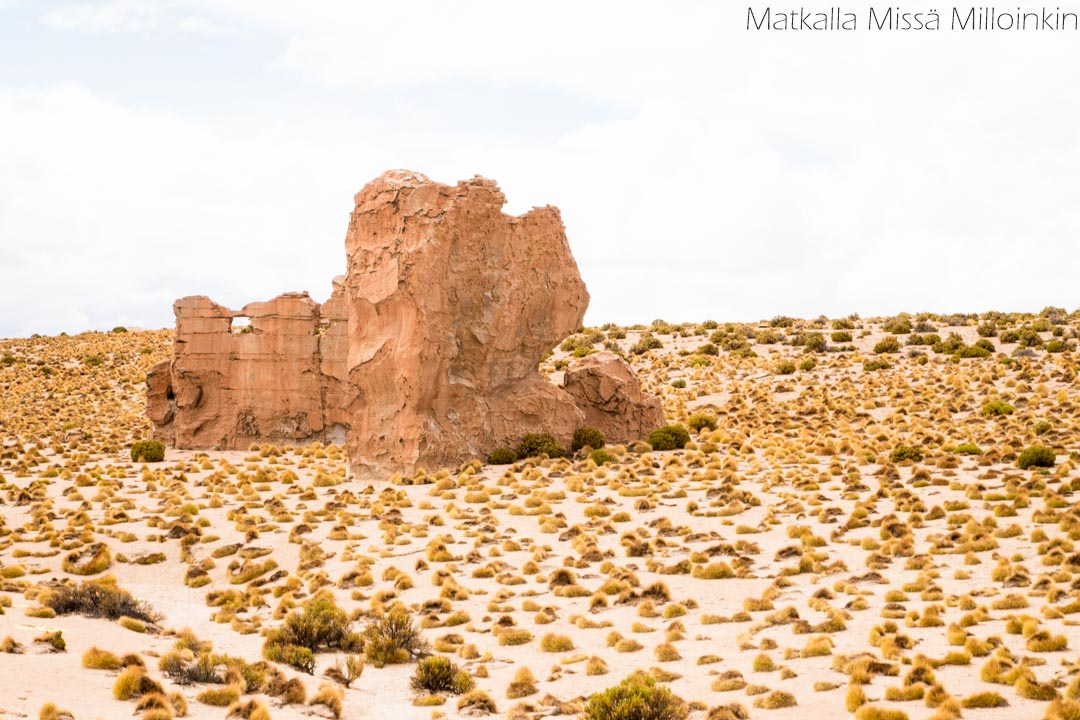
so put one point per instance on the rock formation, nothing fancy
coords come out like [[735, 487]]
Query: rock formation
[[426, 354], [608, 392], [277, 380], [452, 304]]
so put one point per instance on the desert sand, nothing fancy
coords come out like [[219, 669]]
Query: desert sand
[[846, 532]]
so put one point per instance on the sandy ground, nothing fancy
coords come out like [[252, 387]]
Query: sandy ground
[[793, 491]]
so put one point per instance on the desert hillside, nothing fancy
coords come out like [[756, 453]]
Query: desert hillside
[[861, 517]]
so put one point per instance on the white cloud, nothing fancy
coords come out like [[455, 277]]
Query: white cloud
[[196, 25], [122, 16], [728, 174]]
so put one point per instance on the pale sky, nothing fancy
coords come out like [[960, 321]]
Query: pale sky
[[151, 149]]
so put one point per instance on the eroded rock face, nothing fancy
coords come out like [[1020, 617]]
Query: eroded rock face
[[426, 354], [608, 392], [276, 380], [451, 306]]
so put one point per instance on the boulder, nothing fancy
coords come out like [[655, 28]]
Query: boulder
[[604, 386]]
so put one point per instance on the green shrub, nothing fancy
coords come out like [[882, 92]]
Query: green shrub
[[699, 421], [897, 326], [119, 329], [887, 345], [320, 625], [646, 343], [968, 449], [502, 456], [784, 367], [875, 364], [1010, 336], [150, 451], [972, 351], [1036, 456], [842, 336], [637, 697], [906, 452], [995, 408], [678, 384], [437, 674], [537, 444], [600, 457], [98, 598], [1041, 428], [587, 436], [814, 343], [295, 656], [393, 638], [808, 364], [669, 437]]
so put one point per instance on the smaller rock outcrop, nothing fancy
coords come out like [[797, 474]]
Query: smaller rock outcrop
[[277, 379], [608, 392]]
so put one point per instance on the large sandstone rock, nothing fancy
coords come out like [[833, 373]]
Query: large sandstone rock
[[426, 354], [276, 380], [451, 306], [606, 389]]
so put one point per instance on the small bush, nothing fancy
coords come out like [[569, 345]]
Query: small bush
[[968, 449], [49, 711], [320, 625], [133, 682], [984, 700], [331, 697], [523, 684], [775, 700], [438, 674], [600, 457], [502, 456], [88, 560], [556, 643], [784, 367], [873, 712], [348, 672], [220, 696], [995, 408], [1036, 456], [876, 364], [637, 697], [476, 702], [98, 598], [699, 421], [887, 345], [587, 437], [537, 444], [393, 638], [669, 437], [902, 453], [150, 451], [97, 659]]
